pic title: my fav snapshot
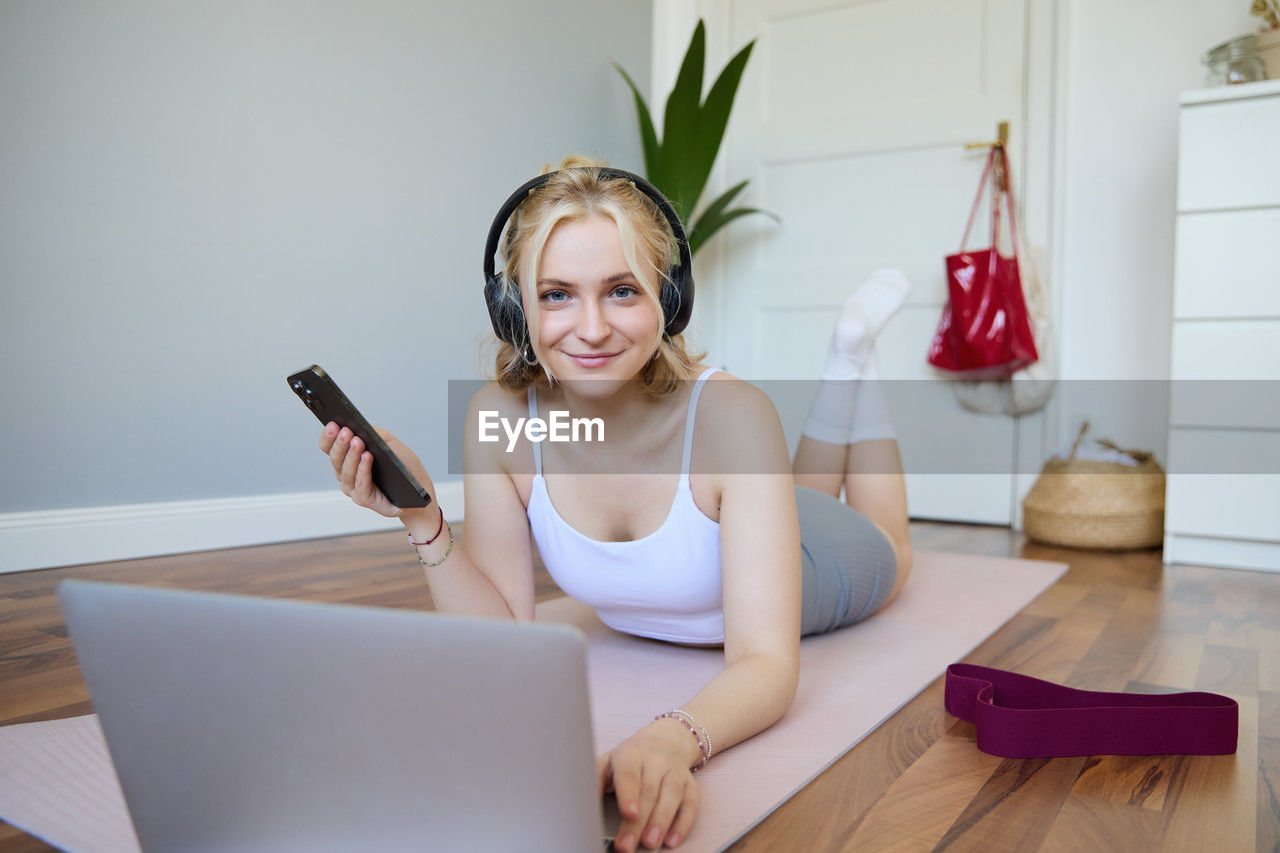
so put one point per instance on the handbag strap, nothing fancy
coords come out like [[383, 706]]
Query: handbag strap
[[1008, 198], [982, 190], [996, 158], [1017, 716]]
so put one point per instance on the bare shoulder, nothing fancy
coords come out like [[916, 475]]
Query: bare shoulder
[[493, 403], [730, 400], [745, 424], [493, 397]]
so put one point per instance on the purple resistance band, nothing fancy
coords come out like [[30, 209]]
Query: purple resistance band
[[1017, 716]]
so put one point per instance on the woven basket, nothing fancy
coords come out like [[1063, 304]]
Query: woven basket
[[1269, 52], [1083, 503]]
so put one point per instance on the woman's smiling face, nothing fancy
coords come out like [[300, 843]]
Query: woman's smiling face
[[594, 321]]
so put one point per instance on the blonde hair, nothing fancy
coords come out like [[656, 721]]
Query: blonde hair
[[578, 191]]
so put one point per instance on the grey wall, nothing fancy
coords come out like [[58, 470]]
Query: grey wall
[[199, 198]]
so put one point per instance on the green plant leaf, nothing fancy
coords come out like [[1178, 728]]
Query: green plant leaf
[[714, 210], [679, 126], [648, 137], [713, 119], [680, 164], [703, 230]]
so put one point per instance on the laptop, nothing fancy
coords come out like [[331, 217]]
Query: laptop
[[241, 723]]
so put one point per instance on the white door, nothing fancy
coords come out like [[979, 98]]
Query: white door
[[851, 123]]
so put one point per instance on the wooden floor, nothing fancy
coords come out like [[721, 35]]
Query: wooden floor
[[1113, 622]]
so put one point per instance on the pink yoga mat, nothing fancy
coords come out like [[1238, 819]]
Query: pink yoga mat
[[57, 782], [56, 779], [850, 681]]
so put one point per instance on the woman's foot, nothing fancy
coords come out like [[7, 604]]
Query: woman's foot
[[862, 317], [835, 416]]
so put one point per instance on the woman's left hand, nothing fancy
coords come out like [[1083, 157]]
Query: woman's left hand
[[657, 796]]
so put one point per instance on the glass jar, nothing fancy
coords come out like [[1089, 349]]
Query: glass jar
[[1234, 61]]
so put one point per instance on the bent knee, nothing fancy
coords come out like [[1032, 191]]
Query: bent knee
[[905, 559], [903, 555]]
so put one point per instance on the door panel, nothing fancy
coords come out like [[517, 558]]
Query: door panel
[[851, 122]]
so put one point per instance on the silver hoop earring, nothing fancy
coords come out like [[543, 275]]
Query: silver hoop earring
[[527, 356]]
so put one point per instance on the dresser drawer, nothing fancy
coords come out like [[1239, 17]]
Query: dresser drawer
[[1227, 264], [1235, 404], [1236, 506], [1247, 404], [1225, 500], [1226, 349], [1227, 154], [1227, 452]]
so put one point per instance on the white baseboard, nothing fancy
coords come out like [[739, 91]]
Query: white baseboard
[[1226, 553], [49, 538]]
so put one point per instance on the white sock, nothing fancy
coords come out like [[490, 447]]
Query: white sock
[[831, 412], [862, 316], [851, 355], [870, 409]]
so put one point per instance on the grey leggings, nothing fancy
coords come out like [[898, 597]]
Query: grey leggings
[[849, 565]]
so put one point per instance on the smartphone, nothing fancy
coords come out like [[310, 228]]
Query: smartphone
[[325, 399]]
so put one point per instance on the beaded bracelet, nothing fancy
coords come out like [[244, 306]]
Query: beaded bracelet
[[705, 737], [433, 538], [445, 526], [699, 734]]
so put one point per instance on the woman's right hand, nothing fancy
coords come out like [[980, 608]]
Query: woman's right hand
[[353, 466]]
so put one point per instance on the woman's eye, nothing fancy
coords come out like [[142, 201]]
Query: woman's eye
[[556, 297]]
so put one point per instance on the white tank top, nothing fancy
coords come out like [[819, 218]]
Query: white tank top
[[666, 585]]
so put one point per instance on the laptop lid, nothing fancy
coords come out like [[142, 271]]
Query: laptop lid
[[239, 723]]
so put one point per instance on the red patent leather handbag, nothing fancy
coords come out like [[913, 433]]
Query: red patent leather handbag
[[985, 331]]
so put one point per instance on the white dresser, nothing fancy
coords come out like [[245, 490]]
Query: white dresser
[[1223, 500]]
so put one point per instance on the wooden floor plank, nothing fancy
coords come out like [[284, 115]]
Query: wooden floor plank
[[855, 783], [1268, 796], [1057, 600], [1227, 670], [1016, 807], [1109, 663], [924, 802], [1269, 660], [1091, 824], [1217, 790], [31, 691], [1170, 659], [1131, 780], [1052, 653]]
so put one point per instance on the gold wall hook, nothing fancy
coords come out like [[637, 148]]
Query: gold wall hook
[[1002, 138], [1001, 141]]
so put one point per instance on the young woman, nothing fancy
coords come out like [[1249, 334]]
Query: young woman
[[743, 555]]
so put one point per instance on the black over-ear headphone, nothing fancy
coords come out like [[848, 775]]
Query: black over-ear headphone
[[507, 312]]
